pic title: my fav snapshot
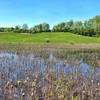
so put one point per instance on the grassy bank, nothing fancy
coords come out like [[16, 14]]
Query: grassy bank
[[44, 37]]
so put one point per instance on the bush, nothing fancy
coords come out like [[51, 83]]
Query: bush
[[72, 43], [47, 40]]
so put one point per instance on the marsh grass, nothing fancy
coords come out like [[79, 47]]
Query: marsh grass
[[43, 74]]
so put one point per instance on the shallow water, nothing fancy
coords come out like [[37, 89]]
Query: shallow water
[[15, 67]]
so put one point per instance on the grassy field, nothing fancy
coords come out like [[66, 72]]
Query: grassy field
[[43, 37]]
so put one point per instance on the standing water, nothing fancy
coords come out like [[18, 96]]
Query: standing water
[[74, 76]]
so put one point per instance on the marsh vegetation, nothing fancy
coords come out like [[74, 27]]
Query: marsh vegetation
[[49, 75]]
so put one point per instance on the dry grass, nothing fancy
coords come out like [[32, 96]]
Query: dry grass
[[54, 82]]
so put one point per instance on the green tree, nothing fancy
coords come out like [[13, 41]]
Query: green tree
[[69, 26], [59, 27], [25, 28], [37, 28], [17, 29], [77, 27], [45, 27]]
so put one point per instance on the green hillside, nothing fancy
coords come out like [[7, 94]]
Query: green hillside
[[47, 37]]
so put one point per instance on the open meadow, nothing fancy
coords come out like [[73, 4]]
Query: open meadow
[[47, 37]]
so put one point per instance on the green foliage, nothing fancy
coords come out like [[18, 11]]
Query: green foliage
[[47, 40], [89, 27], [25, 28], [44, 27], [17, 29], [6, 29]]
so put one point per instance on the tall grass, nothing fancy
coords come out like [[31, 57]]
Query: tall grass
[[46, 75]]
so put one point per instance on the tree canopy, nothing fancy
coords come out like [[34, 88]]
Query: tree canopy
[[89, 27]]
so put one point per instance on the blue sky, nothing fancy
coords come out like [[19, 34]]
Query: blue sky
[[17, 12]]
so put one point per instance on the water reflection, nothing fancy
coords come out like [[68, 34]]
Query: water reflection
[[74, 69]]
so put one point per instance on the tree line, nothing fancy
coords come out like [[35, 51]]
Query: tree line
[[89, 27]]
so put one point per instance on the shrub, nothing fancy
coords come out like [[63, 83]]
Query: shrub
[[47, 40]]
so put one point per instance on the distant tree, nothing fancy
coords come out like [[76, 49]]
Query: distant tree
[[96, 24], [54, 29], [37, 28], [12, 29], [69, 26], [62, 27], [1, 29], [17, 29], [45, 27], [25, 28], [59, 27], [90, 27], [77, 27], [6, 29]]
